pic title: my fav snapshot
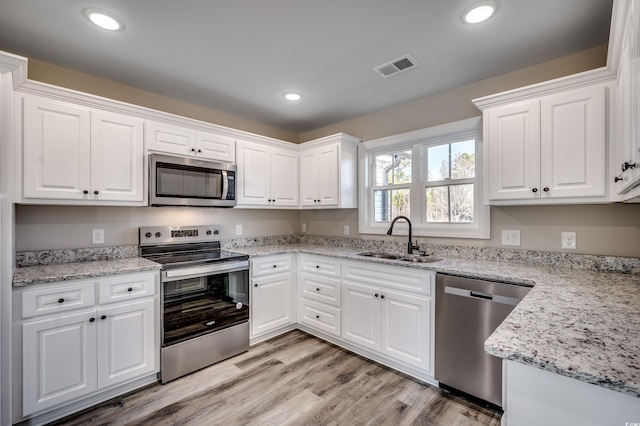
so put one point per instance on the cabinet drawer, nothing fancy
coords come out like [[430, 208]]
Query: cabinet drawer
[[320, 265], [395, 277], [320, 316], [54, 298], [126, 287], [271, 265], [321, 289]]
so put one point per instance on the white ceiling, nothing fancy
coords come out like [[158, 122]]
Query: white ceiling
[[239, 56]]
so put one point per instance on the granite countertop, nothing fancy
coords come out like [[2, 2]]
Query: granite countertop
[[29, 275], [577, 323]]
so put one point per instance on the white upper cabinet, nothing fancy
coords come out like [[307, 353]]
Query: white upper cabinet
[[328, 172], [267, 176], [78, 155], [627, 132], [546, 149], [171, 139]]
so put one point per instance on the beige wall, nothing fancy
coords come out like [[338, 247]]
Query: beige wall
[[612, 229], [62, 227], [64, 77], [601, 229], [454, 105]]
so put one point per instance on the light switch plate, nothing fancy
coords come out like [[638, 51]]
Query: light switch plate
[[511, 237], [569, 240]]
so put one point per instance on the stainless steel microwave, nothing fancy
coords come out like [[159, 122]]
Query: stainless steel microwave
[[181, 181]]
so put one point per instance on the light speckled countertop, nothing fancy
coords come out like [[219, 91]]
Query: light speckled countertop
[[576, 323], [39, 274]]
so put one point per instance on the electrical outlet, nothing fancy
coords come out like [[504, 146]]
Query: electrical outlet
[[238, 229], [511, 238], [97, 236], [304, 227], [346, 230], [569, 240]]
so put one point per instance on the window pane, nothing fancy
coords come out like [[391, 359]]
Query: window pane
[[450, 203], [438, 204], [463, 159], [461, 201], [390, 203], [393, 168], [437, 163]]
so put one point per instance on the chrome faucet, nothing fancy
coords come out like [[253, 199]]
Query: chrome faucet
[[410, 246]]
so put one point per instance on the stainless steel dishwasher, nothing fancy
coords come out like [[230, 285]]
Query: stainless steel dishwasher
[[467, 312]]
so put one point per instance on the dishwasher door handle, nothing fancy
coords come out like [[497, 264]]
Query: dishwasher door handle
[[481, 296]]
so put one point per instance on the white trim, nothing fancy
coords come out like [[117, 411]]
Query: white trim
[[414, 140], [558, 85], [92, 101], [621, 9], [16, 65]]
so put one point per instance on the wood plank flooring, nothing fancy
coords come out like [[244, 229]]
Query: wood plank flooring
[[293, 379]]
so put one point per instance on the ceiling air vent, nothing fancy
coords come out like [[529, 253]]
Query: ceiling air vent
[[396, 66]]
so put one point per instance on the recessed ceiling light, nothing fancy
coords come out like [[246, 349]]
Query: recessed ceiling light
[[479, 12], [103, 19], [292, 96]]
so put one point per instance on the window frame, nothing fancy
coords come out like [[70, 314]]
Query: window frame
[[418, 141]]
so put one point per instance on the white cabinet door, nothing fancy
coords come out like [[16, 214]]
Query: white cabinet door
[[320, 176], [406, 333], [59, 360], [309, 177], [513, 151], [126, 342], [168, 138], [328, 175], [254, 174], [117, 157], [56, 150], [573, 152], [215, 147], [271, 303], [361, 315], [284, 177]]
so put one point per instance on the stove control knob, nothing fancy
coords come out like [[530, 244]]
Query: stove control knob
[[216, 232], [158, 234], [209, 232], [148, 235]]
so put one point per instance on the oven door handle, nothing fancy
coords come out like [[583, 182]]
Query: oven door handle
[[208, 269]]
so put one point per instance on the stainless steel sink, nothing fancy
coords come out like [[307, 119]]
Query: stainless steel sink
[[381, 255], [420, 259], [402, 257]]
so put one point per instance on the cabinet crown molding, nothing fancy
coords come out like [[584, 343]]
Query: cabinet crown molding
[[586, 78]]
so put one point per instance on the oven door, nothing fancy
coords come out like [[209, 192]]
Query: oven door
[[203, 299]]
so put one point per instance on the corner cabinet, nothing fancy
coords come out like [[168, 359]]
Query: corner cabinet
[[82, 337], [547, 149], [72, 154], [267, 175], [328, 172], [171, 139]]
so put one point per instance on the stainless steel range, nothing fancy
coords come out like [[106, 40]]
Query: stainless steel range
[[204, 297]]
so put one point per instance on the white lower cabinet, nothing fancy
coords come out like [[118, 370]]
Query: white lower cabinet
[[75, 345], [319, 294], [393, 323], [271, 293]]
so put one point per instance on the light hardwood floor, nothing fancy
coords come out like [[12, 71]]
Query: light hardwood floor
[[293, 379]]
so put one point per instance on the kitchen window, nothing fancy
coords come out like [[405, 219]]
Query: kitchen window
[[431, 176]]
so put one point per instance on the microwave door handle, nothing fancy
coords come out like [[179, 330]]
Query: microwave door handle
[[225, 185]]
